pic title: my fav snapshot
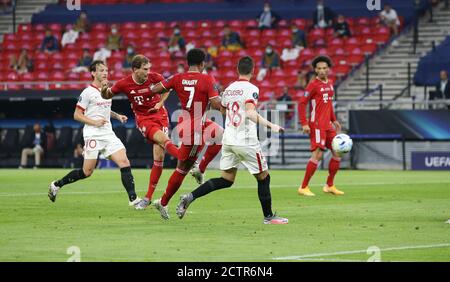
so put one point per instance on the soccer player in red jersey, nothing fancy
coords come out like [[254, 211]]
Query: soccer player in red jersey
[[321, 126], [151, 115], [195, 91]]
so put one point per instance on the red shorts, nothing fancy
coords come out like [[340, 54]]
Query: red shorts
[[321, 138], [149, 125], [210, 134]]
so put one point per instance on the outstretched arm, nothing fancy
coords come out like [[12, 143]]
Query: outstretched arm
[[160, 104], [106, 90], [78, 115], [119, 117], [252, 114], [158, 89]]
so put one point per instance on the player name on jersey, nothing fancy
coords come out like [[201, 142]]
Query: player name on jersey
[[189, 82]]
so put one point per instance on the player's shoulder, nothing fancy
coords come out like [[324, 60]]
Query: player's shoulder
[[207, 77], [89, 90], [314, 81], [155, 77], [331, 82], [312, 84], [247, 85]]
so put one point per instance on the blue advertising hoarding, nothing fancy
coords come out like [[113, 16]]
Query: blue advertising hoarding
[[430, 160]]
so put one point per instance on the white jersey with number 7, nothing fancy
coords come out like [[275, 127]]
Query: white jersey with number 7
[[239, 130]]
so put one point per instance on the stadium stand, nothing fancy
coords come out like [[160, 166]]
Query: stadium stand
[[142, 27], [431, 64], [49, 74]]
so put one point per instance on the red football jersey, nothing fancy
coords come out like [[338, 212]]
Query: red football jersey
[[194, 90], [140, 95], [319, 95]]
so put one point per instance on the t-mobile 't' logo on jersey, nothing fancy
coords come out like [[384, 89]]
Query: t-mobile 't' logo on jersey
[[373, 5]]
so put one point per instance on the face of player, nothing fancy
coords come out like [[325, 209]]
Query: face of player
[[322, 70], [101, 73], [141, 75]]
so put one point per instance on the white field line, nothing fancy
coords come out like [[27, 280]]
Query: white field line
[[319, 255], [236, 186]]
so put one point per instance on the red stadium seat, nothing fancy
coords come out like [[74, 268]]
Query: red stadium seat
[[24, 28], [369, 48], [42, 65], [42, 76], [251, 24], [99, 27], [24, 36], [85, 76], [278, 74], [341, 70], [127, 26], [73, 76], [353, 42], [159, 25], [27, 77], [355, 60], [235, 24], [363, 21], [283, 24], [56, 56], [300, 23], [39, 27], [55, 27], [336, 42], [57, 76], [285, 32], [189, 25]]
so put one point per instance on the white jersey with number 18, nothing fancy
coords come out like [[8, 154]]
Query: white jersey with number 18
[[239, 130]]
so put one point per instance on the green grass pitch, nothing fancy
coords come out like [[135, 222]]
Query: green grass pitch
[[384, 215]]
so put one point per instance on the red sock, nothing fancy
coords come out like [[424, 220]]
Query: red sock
[[333, 168], [170, 148], [174, 184], [210, 153], [310, 169], [155, 174]]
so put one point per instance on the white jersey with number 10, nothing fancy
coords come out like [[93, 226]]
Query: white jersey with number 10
[[239, 130]]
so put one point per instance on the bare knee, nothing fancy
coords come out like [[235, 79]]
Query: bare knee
[[123, 163], [262, 175], [88, 172]]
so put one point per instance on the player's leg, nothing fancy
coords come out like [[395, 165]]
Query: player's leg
[[253, 159], [228, 164], [155, 174], [121, 159], [213, 138], [333, 166], [89, 164], [161, 138], [265, 198], [226, 180], [317, 139], [187, 158]]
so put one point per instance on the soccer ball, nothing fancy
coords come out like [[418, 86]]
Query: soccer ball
[[342, 143]]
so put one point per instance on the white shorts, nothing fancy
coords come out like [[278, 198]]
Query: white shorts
[[250, 156], [105, 147]]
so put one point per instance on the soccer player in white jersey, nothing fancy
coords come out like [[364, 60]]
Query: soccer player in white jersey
[[99, 138], [240, 144]]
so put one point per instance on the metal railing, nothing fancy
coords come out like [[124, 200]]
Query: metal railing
[[284, 110]]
